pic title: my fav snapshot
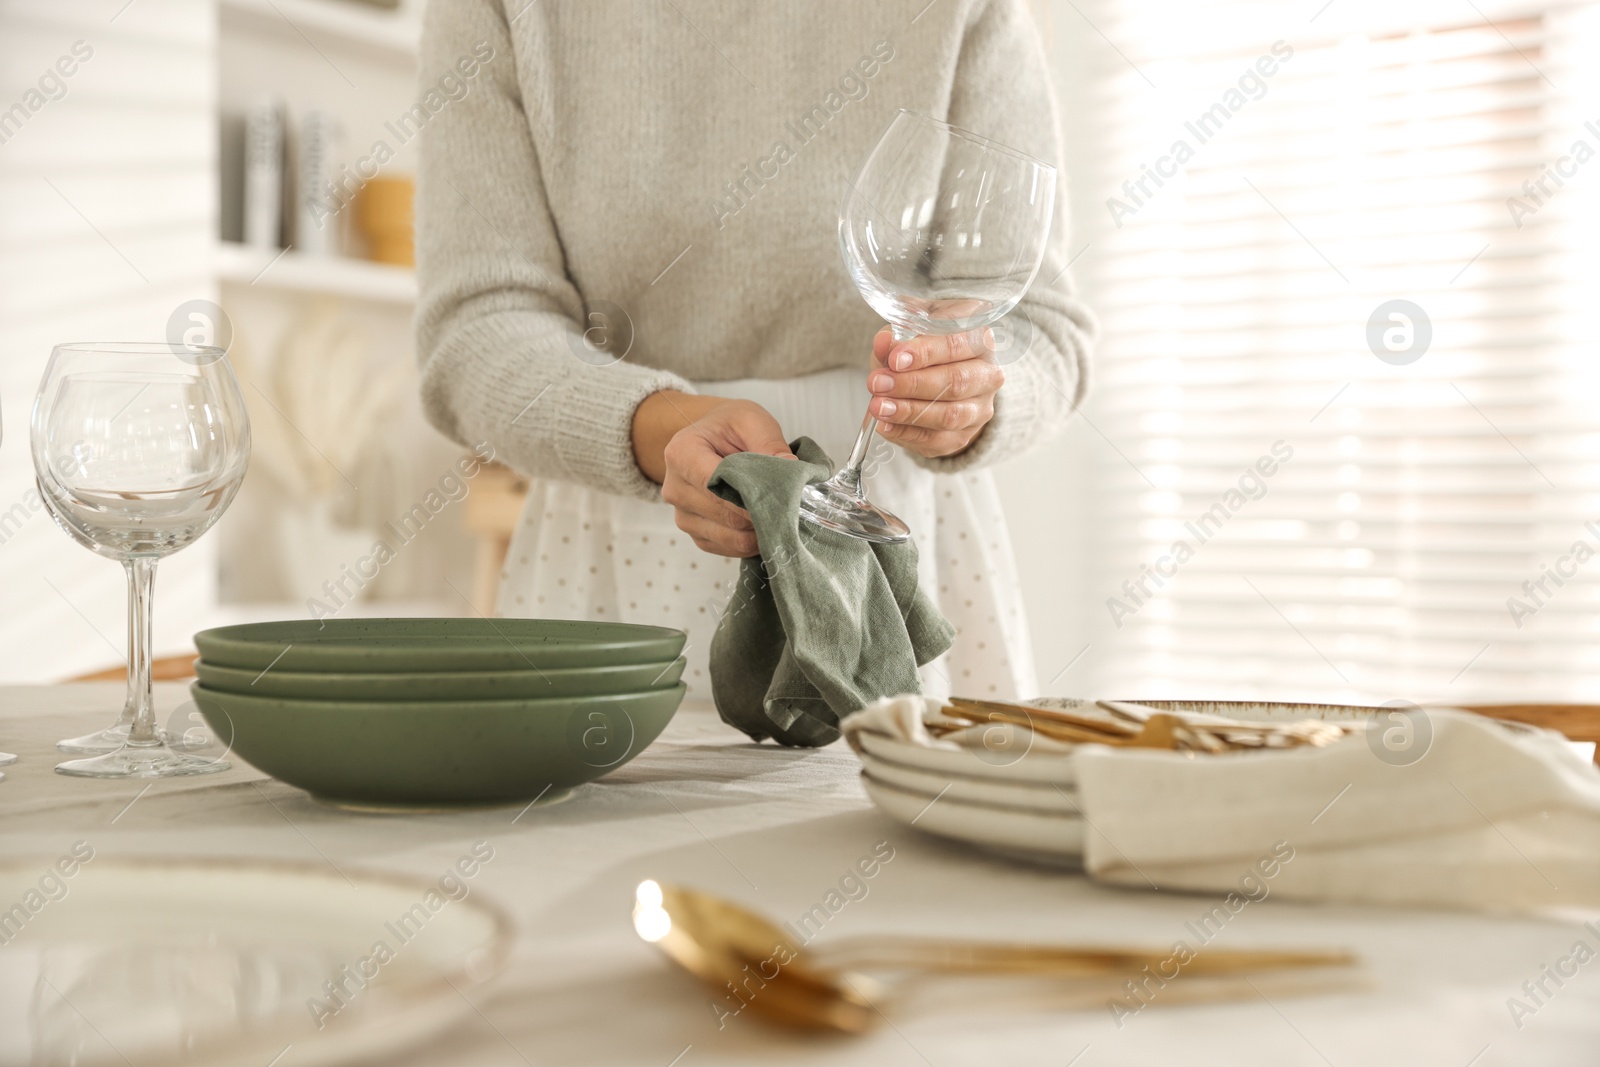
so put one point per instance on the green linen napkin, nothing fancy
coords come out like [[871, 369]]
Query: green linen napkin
[[820, 623]]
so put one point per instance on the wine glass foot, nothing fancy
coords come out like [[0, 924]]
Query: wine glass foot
[[97, 743], [141, 761], [109, 740], [835, 507]]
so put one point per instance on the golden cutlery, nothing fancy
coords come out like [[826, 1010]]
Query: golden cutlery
[[1054, 716], [1158, 729], [752, 962]]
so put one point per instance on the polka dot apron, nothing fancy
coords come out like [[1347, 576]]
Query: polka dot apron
[[580, 553]]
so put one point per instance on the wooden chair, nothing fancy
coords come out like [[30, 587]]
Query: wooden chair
[[492, 511]]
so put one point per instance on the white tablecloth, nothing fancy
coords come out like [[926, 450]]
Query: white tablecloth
[[777, 829]]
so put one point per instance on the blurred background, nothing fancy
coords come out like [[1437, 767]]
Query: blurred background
[[1342, 442]]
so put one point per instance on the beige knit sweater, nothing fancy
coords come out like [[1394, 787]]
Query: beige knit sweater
[[678, 165]]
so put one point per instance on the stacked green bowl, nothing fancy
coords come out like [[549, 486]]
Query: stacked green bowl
[[407, 714]]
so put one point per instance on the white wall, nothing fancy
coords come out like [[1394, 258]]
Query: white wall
[[108, 222], [107, 201], [1050, 494]]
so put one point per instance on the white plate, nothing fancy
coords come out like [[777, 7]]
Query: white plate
[[1031, 796], [1034, 836], [1017, 765], [139, 960]]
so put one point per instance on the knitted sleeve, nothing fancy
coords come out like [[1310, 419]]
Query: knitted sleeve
[[499, 324]]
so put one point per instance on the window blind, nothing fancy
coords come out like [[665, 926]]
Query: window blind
[[1316, 491]]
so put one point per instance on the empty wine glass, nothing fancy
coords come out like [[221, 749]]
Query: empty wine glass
[[138, 449], [943, 232]]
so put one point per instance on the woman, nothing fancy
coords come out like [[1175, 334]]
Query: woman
[[629, 270]]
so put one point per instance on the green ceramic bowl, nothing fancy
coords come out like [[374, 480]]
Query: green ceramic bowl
[[438, 755], [384, 646], [442, 685]]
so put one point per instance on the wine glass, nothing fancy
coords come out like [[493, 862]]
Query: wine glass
[[943, 232], [138, 449]]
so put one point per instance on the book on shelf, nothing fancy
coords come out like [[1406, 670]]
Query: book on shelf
[[264, 188], [317, 222]]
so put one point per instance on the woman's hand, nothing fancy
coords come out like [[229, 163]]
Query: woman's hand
[[934, 394], [678, 440]]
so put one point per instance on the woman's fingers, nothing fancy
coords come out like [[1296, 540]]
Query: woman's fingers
[[882, 342], [685, 489], [924, 441], [716, 538], [934, 394], [714, 524], [748, 427], [932, 350], [966, 380], [691, 458], [934, 415]]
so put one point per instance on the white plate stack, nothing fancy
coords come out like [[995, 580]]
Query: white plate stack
[[1005, 789], [993, 798]]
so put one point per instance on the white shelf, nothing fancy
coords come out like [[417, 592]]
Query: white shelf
[[328, 23], [355, 279]]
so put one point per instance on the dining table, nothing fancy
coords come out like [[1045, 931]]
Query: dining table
[[785, 832]]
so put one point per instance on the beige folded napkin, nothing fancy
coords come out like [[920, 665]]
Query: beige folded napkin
[[1490, 816]]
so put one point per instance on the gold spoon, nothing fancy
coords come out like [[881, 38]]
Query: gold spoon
[[754, 963], [728, 948]]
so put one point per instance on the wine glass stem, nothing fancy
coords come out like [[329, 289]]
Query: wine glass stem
[[141, 590], [126, 718], [850, 473]]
